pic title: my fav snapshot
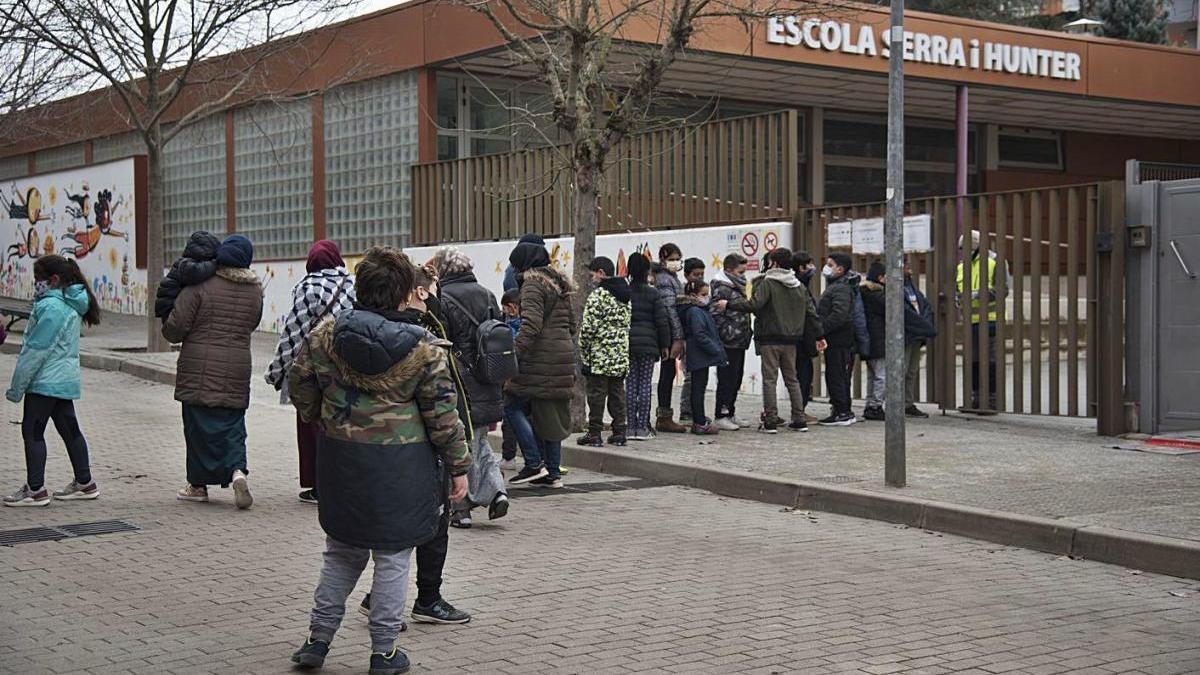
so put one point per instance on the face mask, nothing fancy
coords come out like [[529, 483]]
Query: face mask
[[806, 274], [827, 271], [674, 266], [41, 287], [704, 301]]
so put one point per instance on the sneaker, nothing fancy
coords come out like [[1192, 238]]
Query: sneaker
[[460, 519], [192, 493], [439, 612], [76, 491], [619, 440], [799, 425], [643, 435], [499, 507], [590, 439], [27, 497], [508, 465], [564, 470], [364, 608], [709, 429], [311, 654], [843, 420], [548, 481], [527, 474], [727, 424], [241, 490], [875, 414], [392, 663], [308, 496], [914, 411], [739, 421], [767, 425]]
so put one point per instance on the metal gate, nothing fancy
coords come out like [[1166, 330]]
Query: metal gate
[[1057, 244], [1165, 326]]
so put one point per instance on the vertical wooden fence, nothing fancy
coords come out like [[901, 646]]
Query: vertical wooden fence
[[1048, 276], [743, 169]]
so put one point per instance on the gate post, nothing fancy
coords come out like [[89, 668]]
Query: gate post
[[1110, 266]]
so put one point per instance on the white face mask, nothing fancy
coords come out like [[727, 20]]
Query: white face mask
[[704, 300], [674, 265], [827, 271], [41, 287]]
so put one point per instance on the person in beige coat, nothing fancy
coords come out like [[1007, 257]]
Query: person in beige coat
[[214, 321]]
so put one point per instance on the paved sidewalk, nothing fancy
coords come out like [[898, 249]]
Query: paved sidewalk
[[1023, 464], [645, 579]]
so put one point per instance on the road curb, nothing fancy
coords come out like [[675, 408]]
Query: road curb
[[1150, 553], [1146, 552]]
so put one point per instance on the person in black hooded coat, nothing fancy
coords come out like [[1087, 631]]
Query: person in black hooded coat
[[197, 265]]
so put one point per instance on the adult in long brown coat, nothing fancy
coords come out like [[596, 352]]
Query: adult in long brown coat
[[538, 399], [214, 321]]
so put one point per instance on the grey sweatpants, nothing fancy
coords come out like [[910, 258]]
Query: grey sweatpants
[[876, 383], [484, 480], [342, 567]]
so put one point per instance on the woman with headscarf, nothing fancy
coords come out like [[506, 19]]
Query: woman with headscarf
[[214, 321], [327, 289], [538, 402], [465, 305]]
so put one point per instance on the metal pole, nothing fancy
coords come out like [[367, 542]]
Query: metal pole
[[894, 469], [960, 154]]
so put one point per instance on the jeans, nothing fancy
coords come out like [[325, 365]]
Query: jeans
[[535, 450], [698, 385], [804, 373], [912, 374], [38, 411], [876, 383], [602, 389], [666, 382], [777, 359], [729, 380], [839, 365], [343, 565], [638, 387]]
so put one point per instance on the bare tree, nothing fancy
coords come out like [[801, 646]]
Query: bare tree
[[30, 74], [156, 58]]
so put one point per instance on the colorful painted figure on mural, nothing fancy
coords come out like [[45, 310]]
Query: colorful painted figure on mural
[[25, 207], [86, 240], [27, 246], [82, 204]]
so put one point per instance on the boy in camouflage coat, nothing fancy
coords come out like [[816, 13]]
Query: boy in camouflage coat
[[381, 393], [604, 351]]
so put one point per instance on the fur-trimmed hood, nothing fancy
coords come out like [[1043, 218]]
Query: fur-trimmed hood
[[868, 286], [376, 354], [238, 275], [551, 278]]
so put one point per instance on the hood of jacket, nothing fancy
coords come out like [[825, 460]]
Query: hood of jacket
[[850, 278], [618, 288], [467, 277], [868, 286], [374, 353], [238, 275], [723, 277], [75, 297], [783, 276], [550, 278], [202, 246], [682, 302]]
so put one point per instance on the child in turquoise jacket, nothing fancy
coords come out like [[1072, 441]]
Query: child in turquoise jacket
[[47, 377]]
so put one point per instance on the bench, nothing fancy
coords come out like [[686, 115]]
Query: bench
[[14, 310]]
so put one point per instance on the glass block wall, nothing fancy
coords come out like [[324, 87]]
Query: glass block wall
[[273, 174], [370, 146], [117, 147], [14, 167], [62, 157], [193, 183]]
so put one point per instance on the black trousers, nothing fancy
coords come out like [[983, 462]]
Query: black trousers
[[666, 381], [804, 372], [839, 365], [729, 380], [39, 410], [699, 384], [431, 559]]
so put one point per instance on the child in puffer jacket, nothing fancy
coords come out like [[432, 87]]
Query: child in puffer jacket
[[704, 348], [197, 265]]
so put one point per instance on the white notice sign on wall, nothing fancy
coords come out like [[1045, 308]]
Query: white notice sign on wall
[[839, 235], [918, 233], [867, 236]]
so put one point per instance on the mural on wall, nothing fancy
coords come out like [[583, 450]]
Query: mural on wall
[[85, 213]]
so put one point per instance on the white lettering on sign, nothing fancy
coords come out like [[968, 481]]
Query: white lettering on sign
[[938, 50]]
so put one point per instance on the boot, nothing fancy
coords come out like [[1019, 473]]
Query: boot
[[666, 425]]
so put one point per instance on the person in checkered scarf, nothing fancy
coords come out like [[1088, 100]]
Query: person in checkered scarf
[[326, 290]]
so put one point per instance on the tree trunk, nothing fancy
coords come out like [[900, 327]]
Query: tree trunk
[[155, 261], [583, 214]]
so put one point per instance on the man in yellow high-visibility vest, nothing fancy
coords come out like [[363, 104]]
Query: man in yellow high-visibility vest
[[987, 280]]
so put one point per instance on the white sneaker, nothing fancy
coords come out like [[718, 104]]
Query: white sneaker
[[27, 497], [739, 421], [74, 491], [241, 491], [727, 424], [508, 465]]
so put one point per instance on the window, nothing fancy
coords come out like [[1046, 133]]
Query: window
[[370, 147], [194, 183], [856, 159], [118, 146], [1029, 148], [14, 167], [62, 157], [273, 174], [479, 118]]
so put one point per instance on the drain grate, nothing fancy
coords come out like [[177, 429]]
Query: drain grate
[[839, 479], [30, 535], [574, 488]]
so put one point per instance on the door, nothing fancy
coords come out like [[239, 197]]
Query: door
[[1178, 249]]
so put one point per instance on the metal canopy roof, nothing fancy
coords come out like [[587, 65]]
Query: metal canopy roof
[[802, 85]]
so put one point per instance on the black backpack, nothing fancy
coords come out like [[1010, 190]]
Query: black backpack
[[495, 354]]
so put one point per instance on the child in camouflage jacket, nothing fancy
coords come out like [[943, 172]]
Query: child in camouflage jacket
[[604, 351]]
